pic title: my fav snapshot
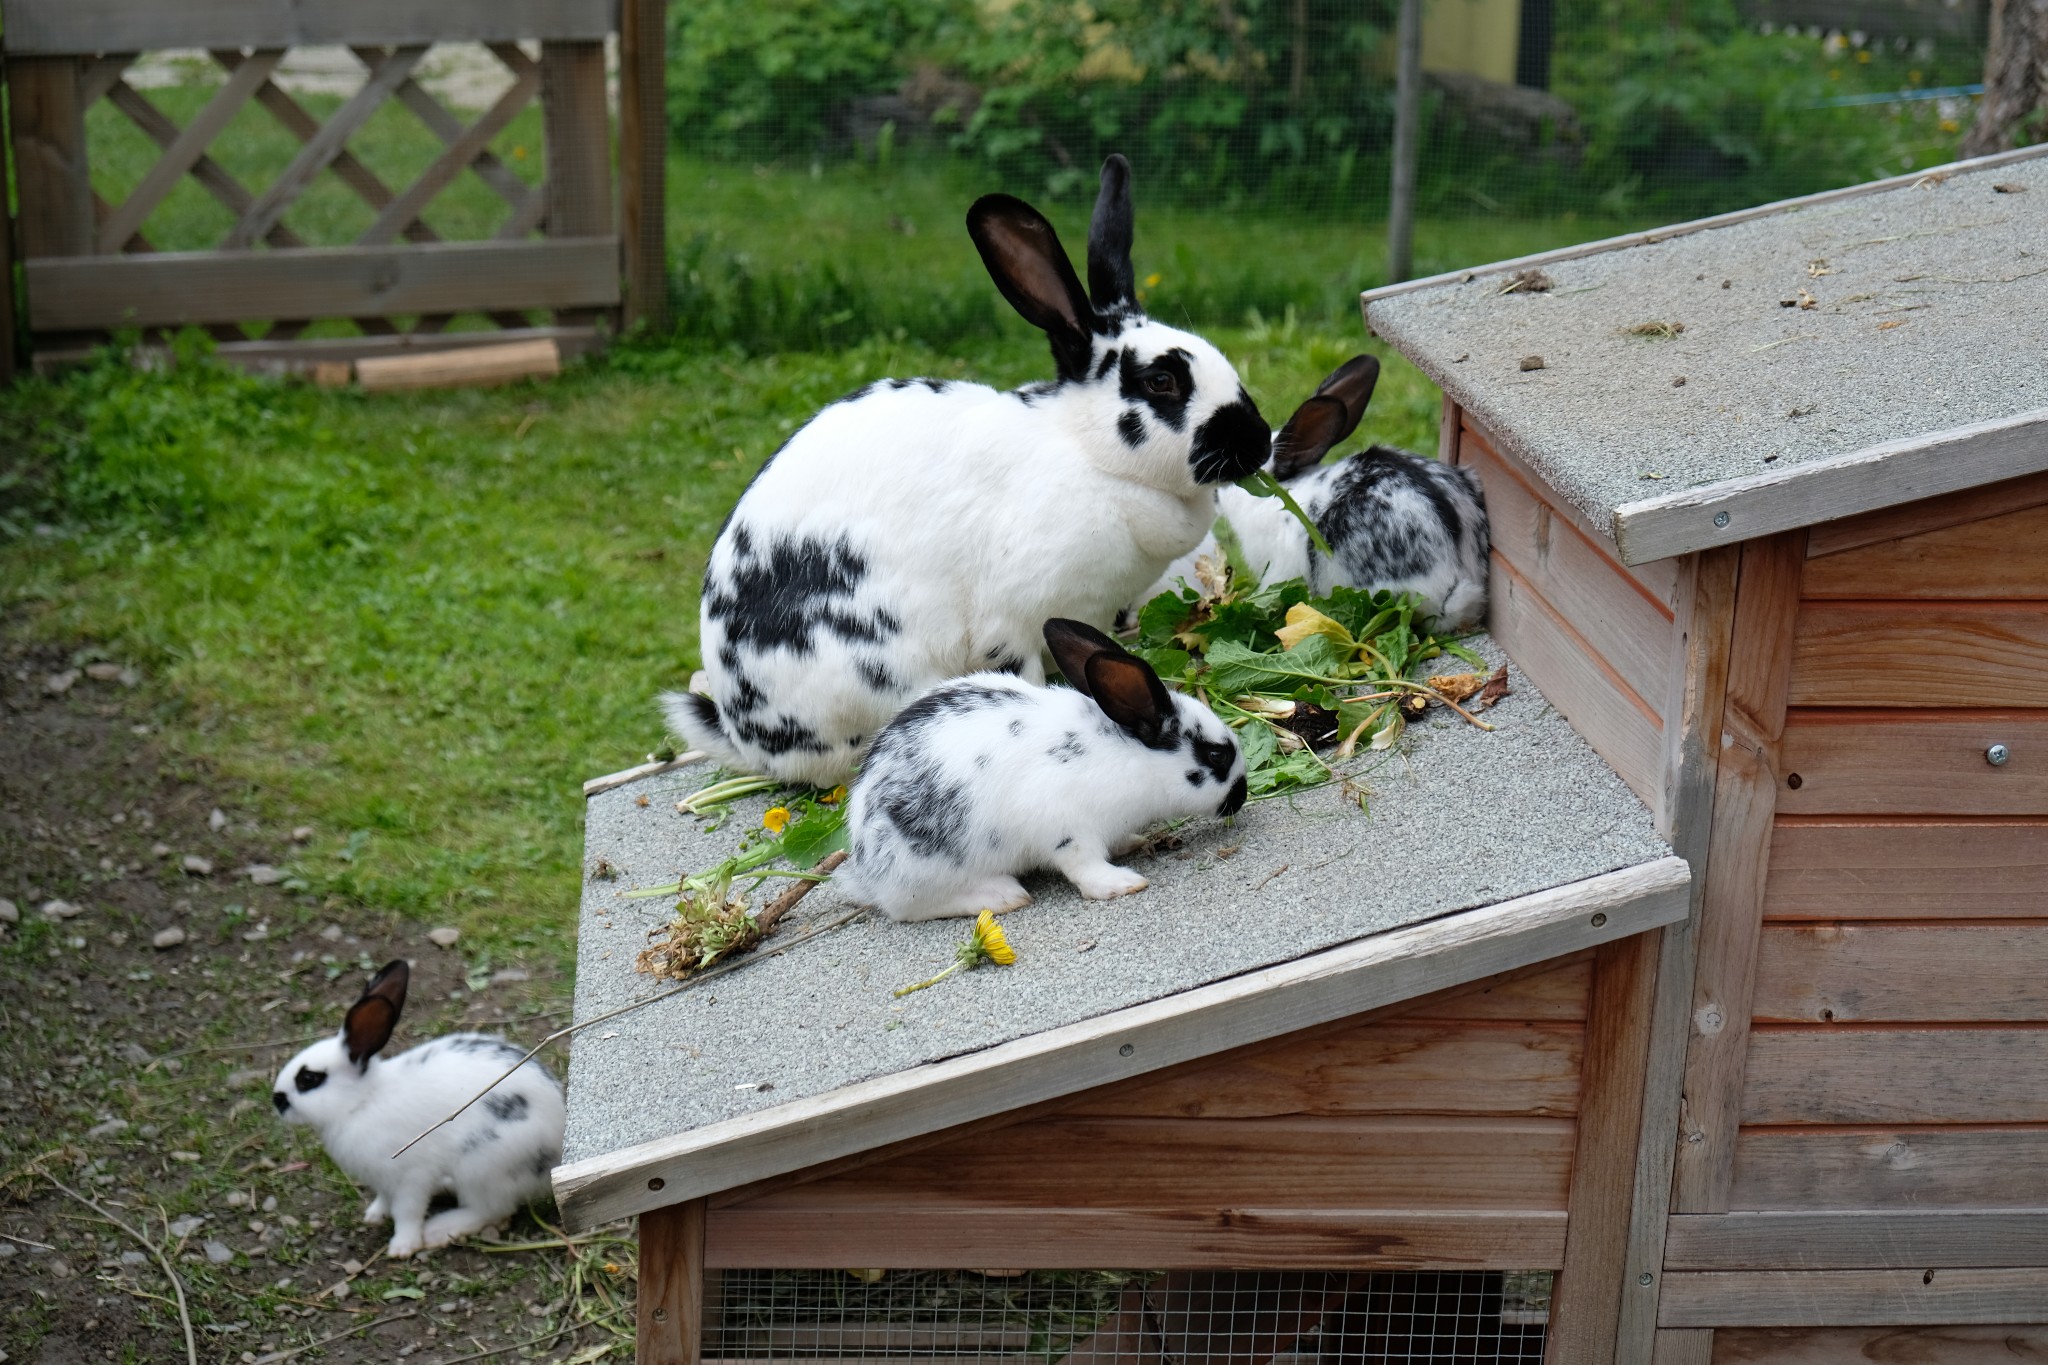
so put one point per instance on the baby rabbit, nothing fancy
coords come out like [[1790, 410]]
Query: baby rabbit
[[493, 1158], [1397, 521], [921, 529], [987, 776]]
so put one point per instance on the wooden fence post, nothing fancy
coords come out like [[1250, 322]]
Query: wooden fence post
[[643, 161], [8, 312]]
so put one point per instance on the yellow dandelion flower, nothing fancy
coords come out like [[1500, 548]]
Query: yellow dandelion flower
[[519, 153], [1152, 280], [833, 797], [986, 944], [990, 941], [1863, 56], [775, 819], [1949, 125]]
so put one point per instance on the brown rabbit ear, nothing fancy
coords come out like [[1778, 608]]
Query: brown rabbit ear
[[1073, 644], [1130, 694], [1030, 267], [370, 1021], [1332, 414]]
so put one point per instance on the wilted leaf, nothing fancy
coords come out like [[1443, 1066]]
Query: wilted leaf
[[1303, 621], [1496, 688], [1457, 686]]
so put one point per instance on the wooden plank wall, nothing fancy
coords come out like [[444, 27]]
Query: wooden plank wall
[[1596, 637], [1439, 1134], [1887, 1117]]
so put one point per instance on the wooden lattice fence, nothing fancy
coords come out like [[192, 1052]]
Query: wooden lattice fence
[[553, 266]]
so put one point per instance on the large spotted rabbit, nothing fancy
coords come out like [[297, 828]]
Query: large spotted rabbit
[[923, 529]]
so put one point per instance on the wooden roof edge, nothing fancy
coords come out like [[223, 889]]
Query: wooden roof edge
[[1368, 973], [1652, 236], [1815, 491]]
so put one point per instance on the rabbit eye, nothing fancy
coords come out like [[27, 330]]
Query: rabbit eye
[[309, 1079], [1161, 382]]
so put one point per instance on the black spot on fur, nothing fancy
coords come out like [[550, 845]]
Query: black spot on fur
[[981, 761], [1232, 443], [1131, 427], [308, 1079], [953, 699], [1233, 801], [1067, 842], [995, 840], [875, 675], [1068, 749], [506, 1108], [1165, 384], [800, 586], [1217, 756], [280, 1101], [545, 1162], [1195, 778], [1109, 362], [915, 797], [480, 1138], [1031, 393], [785, 736], [1016, 728]]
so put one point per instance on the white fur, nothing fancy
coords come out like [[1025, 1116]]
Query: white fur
[[979, 514], [1012, 802], [492, 1166]]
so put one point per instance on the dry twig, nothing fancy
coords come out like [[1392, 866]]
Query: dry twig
[[163, 1261]]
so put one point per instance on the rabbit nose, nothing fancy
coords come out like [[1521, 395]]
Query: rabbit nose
[[281, 1100], [1233, 800]]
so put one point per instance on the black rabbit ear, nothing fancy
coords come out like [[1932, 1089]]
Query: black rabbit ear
[[1330, 416], [1025, 259], [369, 1023], [1073, 644], [1118, 681], [1111, 281]]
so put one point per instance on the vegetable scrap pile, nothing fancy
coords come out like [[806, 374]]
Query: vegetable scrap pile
[[712, 921], [1307, 682]]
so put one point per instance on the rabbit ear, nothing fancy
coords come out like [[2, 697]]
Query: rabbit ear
[[1110, 278], [369, 1023], [1073, 644], [1118, 681], [1025, 259], [1327, 418], [1130, 693]]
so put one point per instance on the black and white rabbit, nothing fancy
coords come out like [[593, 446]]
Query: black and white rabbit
[[1397, 521], [988, 776], [494, 1157], [922, 529]]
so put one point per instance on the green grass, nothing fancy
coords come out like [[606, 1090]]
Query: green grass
[[417, 622]]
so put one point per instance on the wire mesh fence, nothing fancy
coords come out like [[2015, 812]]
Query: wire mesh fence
[[1093, 1317], [1261, 134]]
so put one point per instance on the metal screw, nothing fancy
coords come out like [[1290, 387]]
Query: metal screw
[[1720, 519], [1644, 1279], [656, 1183], [1599, 919], [1126, 1050], [1996, 755]]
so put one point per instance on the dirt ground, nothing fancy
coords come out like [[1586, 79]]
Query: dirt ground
[[138, 1075]]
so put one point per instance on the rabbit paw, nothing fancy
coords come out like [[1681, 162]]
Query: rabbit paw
[[404, 1243], [377, 1212], [1104, 881]]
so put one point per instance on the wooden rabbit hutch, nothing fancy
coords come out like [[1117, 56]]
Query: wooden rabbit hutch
[[1708, 981], [1829, 494]]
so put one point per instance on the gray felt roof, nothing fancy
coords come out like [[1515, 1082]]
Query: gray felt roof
[[1929, 312], [1459, 819]]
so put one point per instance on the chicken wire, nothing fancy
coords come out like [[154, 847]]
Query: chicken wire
[[1094, 1317]]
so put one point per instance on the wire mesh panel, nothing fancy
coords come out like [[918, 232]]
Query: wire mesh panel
[[1094, 1317]]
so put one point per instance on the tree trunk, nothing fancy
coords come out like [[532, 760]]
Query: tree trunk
[[2015, 75]]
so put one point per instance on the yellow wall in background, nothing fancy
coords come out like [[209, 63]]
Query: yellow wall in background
[[1477, 36]]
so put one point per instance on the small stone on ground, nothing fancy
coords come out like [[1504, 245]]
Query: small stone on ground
[[196, 865], [167, 938], [444, 937]]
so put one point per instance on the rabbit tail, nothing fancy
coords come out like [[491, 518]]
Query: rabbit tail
[[695, 720]]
